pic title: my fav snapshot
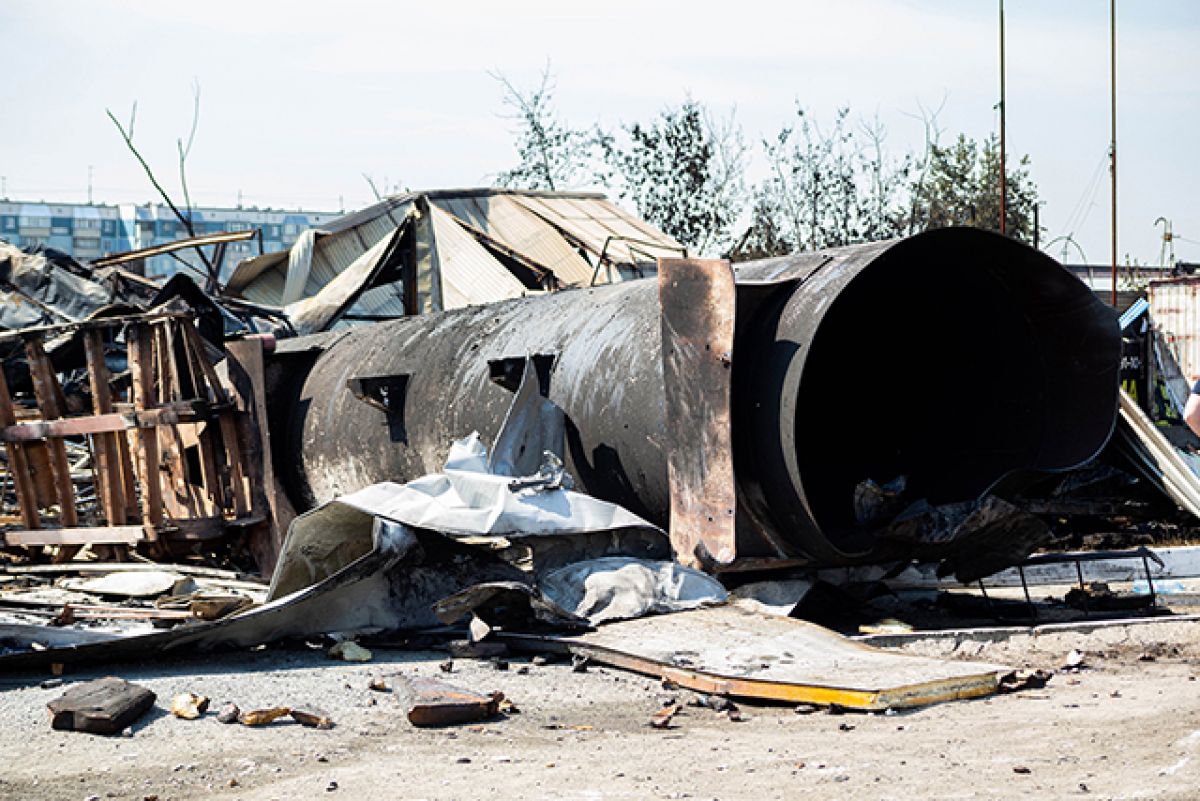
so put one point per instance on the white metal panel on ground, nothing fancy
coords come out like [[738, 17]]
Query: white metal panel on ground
[[731, 650], [469, 274], [501, 217]]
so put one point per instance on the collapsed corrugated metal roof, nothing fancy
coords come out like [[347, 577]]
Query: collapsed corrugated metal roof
[[466, 247]]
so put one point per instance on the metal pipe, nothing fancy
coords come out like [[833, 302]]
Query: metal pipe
[[956, 358], [1003, 131], [1112, 9]]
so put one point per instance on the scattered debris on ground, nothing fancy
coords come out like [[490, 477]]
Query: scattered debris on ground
[[187, 472]]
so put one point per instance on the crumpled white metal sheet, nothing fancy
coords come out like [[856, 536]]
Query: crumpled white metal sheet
[[623, 588]]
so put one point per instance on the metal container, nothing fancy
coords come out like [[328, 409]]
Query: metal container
[[1175, 311], [954, 358]]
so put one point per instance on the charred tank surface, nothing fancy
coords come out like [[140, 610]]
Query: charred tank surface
[[954, 358]]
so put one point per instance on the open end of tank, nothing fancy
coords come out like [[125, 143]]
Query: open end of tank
[[952, 365]]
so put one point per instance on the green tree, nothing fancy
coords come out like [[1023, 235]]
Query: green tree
[[827, 187], [961, 187], [838, 186], [766, 235], [552, 155], [684, 172]]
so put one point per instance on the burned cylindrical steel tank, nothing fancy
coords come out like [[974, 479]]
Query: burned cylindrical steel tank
[[954, 358]]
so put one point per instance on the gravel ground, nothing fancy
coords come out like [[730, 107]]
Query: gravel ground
[[1126, 726]]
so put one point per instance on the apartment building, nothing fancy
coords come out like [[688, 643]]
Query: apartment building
[[88, 231]]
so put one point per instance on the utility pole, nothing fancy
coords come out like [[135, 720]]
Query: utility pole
[[89, 184], [1166, 255], [1003, 171], [1112, 6]]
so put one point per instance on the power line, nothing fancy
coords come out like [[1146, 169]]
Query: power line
[[1083, 207]]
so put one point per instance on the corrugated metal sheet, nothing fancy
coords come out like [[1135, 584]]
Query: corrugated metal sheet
[[261, 279], [470, 276], [502, 218], [317, 311], [1175, 312], [249, 271], [548, 228], [596, 221]]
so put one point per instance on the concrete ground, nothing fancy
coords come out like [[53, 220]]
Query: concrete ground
[[1125, 726]]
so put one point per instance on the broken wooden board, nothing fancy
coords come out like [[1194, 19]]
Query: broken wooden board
[[731, 650], [102, 706], [435, 703]]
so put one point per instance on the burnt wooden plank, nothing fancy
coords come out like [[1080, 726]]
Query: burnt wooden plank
[[108, 456], [217, 476], [89, 535], [128, 476], [66, 427], [18, 463], [184, 500], [141, 366], [229, 434], [47, 392], [210, 475], [237, 475], [430, 702], [249, 387], [38, 456], [102, 706], [159, 396]]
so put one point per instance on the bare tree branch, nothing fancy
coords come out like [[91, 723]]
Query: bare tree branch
[[371, 183], [184, 219], [184, 152], [553, 155]]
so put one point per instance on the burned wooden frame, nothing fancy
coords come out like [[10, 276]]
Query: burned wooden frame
[[175, 450]]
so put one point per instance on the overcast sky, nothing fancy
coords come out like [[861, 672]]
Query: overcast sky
[[299, 99]]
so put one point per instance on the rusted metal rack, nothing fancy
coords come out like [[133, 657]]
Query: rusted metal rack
[[174, 456]]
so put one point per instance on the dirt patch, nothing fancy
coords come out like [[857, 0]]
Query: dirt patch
[[1126, 725]]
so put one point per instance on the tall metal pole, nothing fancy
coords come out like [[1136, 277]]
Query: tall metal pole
[[1003, 170], [1112, 5]]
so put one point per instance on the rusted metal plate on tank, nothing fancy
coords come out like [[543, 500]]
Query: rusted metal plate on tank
[[698, 300]]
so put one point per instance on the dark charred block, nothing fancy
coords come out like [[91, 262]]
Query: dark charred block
[[103, 706]]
